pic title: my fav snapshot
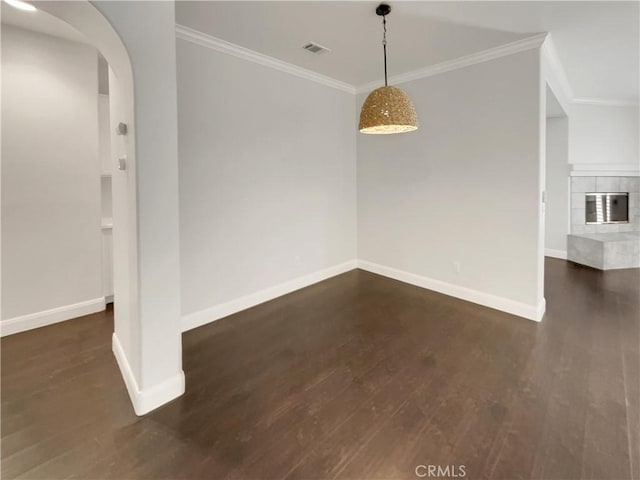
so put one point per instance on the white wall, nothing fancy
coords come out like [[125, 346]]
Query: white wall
[[267, 177], [557, 186], [51, 246], [604, 135], [463, 188]]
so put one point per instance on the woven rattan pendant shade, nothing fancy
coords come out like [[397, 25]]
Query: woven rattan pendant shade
[[388, 110]]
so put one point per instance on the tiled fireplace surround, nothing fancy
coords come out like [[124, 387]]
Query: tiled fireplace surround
[[604, 246], [582, 185]]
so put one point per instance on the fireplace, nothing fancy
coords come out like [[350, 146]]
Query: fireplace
[[604, 208], [605, 221], [605, 204]]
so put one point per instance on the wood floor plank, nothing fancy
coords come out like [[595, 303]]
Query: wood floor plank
[[357, 377]]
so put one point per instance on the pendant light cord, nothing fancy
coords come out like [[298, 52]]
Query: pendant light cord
[[384, 46]]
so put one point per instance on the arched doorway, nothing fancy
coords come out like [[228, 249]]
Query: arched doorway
[[147, 337]]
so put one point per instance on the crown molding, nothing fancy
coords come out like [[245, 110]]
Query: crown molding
[[604, 170], [542, 40], [605, 102], [528, 43], [219, 45]]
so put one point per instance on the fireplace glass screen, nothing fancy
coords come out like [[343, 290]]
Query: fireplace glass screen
[[607, 208]]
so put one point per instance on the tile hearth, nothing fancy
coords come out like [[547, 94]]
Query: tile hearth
[[605, 251]]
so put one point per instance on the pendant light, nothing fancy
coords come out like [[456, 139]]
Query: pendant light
[[387, 109]]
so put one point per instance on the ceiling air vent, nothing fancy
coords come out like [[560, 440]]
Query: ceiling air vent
[[316, 48]]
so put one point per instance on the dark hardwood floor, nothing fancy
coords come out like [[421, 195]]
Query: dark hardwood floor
[[357, 377]]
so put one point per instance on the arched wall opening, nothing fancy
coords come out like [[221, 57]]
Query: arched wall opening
[[140, 51]]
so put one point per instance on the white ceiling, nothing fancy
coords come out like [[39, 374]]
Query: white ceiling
[[40, 21], [597, 42]]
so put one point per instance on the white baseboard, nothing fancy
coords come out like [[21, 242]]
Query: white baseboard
[[49, 317], [202, 317], [550, 252], [542, 308], [149, 399], [530, 312]]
